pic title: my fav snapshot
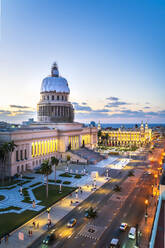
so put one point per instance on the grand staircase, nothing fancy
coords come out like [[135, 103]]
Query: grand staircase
[[91, 156]]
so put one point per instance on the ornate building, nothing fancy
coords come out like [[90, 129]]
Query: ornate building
[[125, 137], [54, 132], [54, 94]]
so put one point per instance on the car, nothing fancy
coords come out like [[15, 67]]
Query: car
[[132, 233], [72, 222], [49, 238], [90, 213], [123, 226], [114, 243]]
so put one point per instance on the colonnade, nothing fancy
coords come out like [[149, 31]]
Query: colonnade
[[43, 147], [74, 142]]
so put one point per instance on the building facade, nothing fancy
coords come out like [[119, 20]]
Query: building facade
[[54, 132], [123, 137]]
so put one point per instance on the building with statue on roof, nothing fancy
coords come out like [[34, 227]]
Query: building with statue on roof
[[55, 131], [127, 137]]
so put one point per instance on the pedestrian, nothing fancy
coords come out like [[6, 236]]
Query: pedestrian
[[81, 191], [34, 224], [29, 233], [38, 225]]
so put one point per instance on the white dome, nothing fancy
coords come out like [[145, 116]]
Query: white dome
[[57, 84]]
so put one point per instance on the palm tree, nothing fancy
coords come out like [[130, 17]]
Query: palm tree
[[10, 148], [6, 149], [54, 161], [2, 163], [117, 188], [107, 138], [46, 169], [91, 213]]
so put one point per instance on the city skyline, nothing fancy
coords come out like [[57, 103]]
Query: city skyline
[[111, 53]]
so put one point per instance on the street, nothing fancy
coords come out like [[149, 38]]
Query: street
[[131, 212]]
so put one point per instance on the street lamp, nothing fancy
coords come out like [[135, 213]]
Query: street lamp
[[60, 191], [48, 211], [107, 174], [146, 204], [155, 176]]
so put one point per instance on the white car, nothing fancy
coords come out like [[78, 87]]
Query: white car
[[132, 233], [114, 243], [123, 226]]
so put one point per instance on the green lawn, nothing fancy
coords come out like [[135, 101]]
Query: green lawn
[[54, 196], [9, 222]]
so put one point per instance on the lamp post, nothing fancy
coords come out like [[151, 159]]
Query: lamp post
[[155, 176], [48, 211], [146, 214], [60, 188]]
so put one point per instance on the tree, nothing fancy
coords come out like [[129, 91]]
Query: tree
[[54, 161], [117, 188], [46, 169], [2, 163], [10, 148], [6, 149], [91, 213], [107, 138], [99, 134]]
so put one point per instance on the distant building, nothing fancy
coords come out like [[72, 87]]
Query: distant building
[[127, 137], [55, 130]]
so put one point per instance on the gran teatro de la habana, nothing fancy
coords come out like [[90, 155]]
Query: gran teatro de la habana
[[55, 130]]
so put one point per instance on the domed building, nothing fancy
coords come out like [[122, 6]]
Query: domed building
[[55, 133], [54, 95]]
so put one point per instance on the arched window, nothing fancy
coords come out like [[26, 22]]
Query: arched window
[[62, 98], [57, 98], [52, 98]]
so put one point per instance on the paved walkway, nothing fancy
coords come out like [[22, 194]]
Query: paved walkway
[[58, 211], [146, 225]]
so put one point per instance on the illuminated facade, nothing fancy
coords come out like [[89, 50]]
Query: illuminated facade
[[123, 137], [54, 132]]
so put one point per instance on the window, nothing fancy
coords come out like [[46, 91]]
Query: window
[[21, 154], [58, 98], [17, 159], [52, 98], [47, 97], [25, 154], [62, 98]]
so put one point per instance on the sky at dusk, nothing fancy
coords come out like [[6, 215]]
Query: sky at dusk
[[111, 52]]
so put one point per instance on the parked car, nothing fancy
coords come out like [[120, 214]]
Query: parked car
[[49, 238], [132, 233], [123, 226], [114, 243], [72, 222]]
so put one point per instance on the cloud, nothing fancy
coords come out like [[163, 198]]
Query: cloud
[[79, 107], [115, 104], [19, 106], [112, 98]]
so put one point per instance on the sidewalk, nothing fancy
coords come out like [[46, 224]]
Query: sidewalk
[[57, 212], [146, 225]]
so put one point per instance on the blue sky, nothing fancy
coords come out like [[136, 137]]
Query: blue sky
[[111, 52]]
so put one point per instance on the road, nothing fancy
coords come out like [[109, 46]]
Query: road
[[131, 212], [97, 199]]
